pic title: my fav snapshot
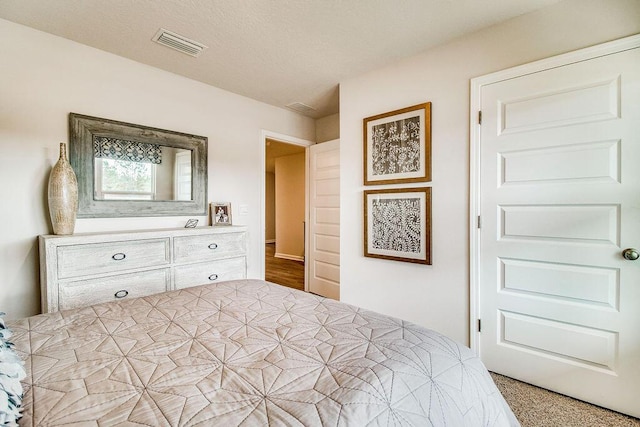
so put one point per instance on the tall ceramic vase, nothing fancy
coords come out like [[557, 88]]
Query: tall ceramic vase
[[63, 195]]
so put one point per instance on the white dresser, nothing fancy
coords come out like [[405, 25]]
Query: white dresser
[[91, 268]]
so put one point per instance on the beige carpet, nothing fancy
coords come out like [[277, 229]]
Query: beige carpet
[[537, 407]]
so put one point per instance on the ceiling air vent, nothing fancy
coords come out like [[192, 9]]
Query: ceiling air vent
[[301, 108], [178, 42]]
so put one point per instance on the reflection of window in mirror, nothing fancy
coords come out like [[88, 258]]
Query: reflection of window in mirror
[[124, 180], [164, 176]]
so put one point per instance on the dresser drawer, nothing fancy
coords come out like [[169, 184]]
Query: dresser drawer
[[94, 291], [208, 272], [208, 247], [97, 258]]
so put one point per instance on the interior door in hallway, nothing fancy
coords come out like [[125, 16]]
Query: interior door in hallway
[[323, 244], [559, 289]]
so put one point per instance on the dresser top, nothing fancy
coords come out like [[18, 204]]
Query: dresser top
[[143, 234]]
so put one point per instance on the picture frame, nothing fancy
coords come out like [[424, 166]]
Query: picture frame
[[220, 213], [397, 146], [87, 135], [397, 224]]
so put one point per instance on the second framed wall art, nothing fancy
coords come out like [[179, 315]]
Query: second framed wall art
[[397, 146], [397, 224]]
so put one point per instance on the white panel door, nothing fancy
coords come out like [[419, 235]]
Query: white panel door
[[559, 204], [323, 251]]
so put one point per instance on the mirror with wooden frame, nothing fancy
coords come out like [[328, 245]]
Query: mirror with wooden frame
[[128, 170]]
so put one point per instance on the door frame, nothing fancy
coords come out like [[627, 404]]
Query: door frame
[[287, 139], [477, 84]]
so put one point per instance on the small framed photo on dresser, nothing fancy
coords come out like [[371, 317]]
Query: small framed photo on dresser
[[220, 213]]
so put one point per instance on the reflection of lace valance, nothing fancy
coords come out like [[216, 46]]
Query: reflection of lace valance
[[121, 149]]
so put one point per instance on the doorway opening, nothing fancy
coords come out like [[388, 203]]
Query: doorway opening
[[285, 213]]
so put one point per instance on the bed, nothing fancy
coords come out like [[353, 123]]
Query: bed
[[249, 353]]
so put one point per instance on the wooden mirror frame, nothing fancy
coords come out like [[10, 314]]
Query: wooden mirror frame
[[82, 129]]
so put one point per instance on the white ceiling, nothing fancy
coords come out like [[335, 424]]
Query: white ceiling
[[275, 51]]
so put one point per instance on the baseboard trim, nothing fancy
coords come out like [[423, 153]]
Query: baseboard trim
[[290, 257]]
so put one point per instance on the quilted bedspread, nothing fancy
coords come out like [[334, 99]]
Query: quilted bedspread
[[247, 353]]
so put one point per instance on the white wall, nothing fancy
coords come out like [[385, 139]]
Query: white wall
[[43, 78], [165, 174], [437, 296], [328, 128], [290, 206]]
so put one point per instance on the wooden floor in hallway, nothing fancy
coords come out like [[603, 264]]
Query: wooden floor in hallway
[[284, 272]]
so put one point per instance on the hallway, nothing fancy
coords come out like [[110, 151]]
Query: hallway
[[283, 271]]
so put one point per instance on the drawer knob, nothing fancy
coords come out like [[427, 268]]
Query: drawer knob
[[213, 277], [121, 294], [119, 256], [213, 246]]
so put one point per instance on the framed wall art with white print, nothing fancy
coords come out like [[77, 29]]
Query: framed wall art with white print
[[397, 224], [397, 146]]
